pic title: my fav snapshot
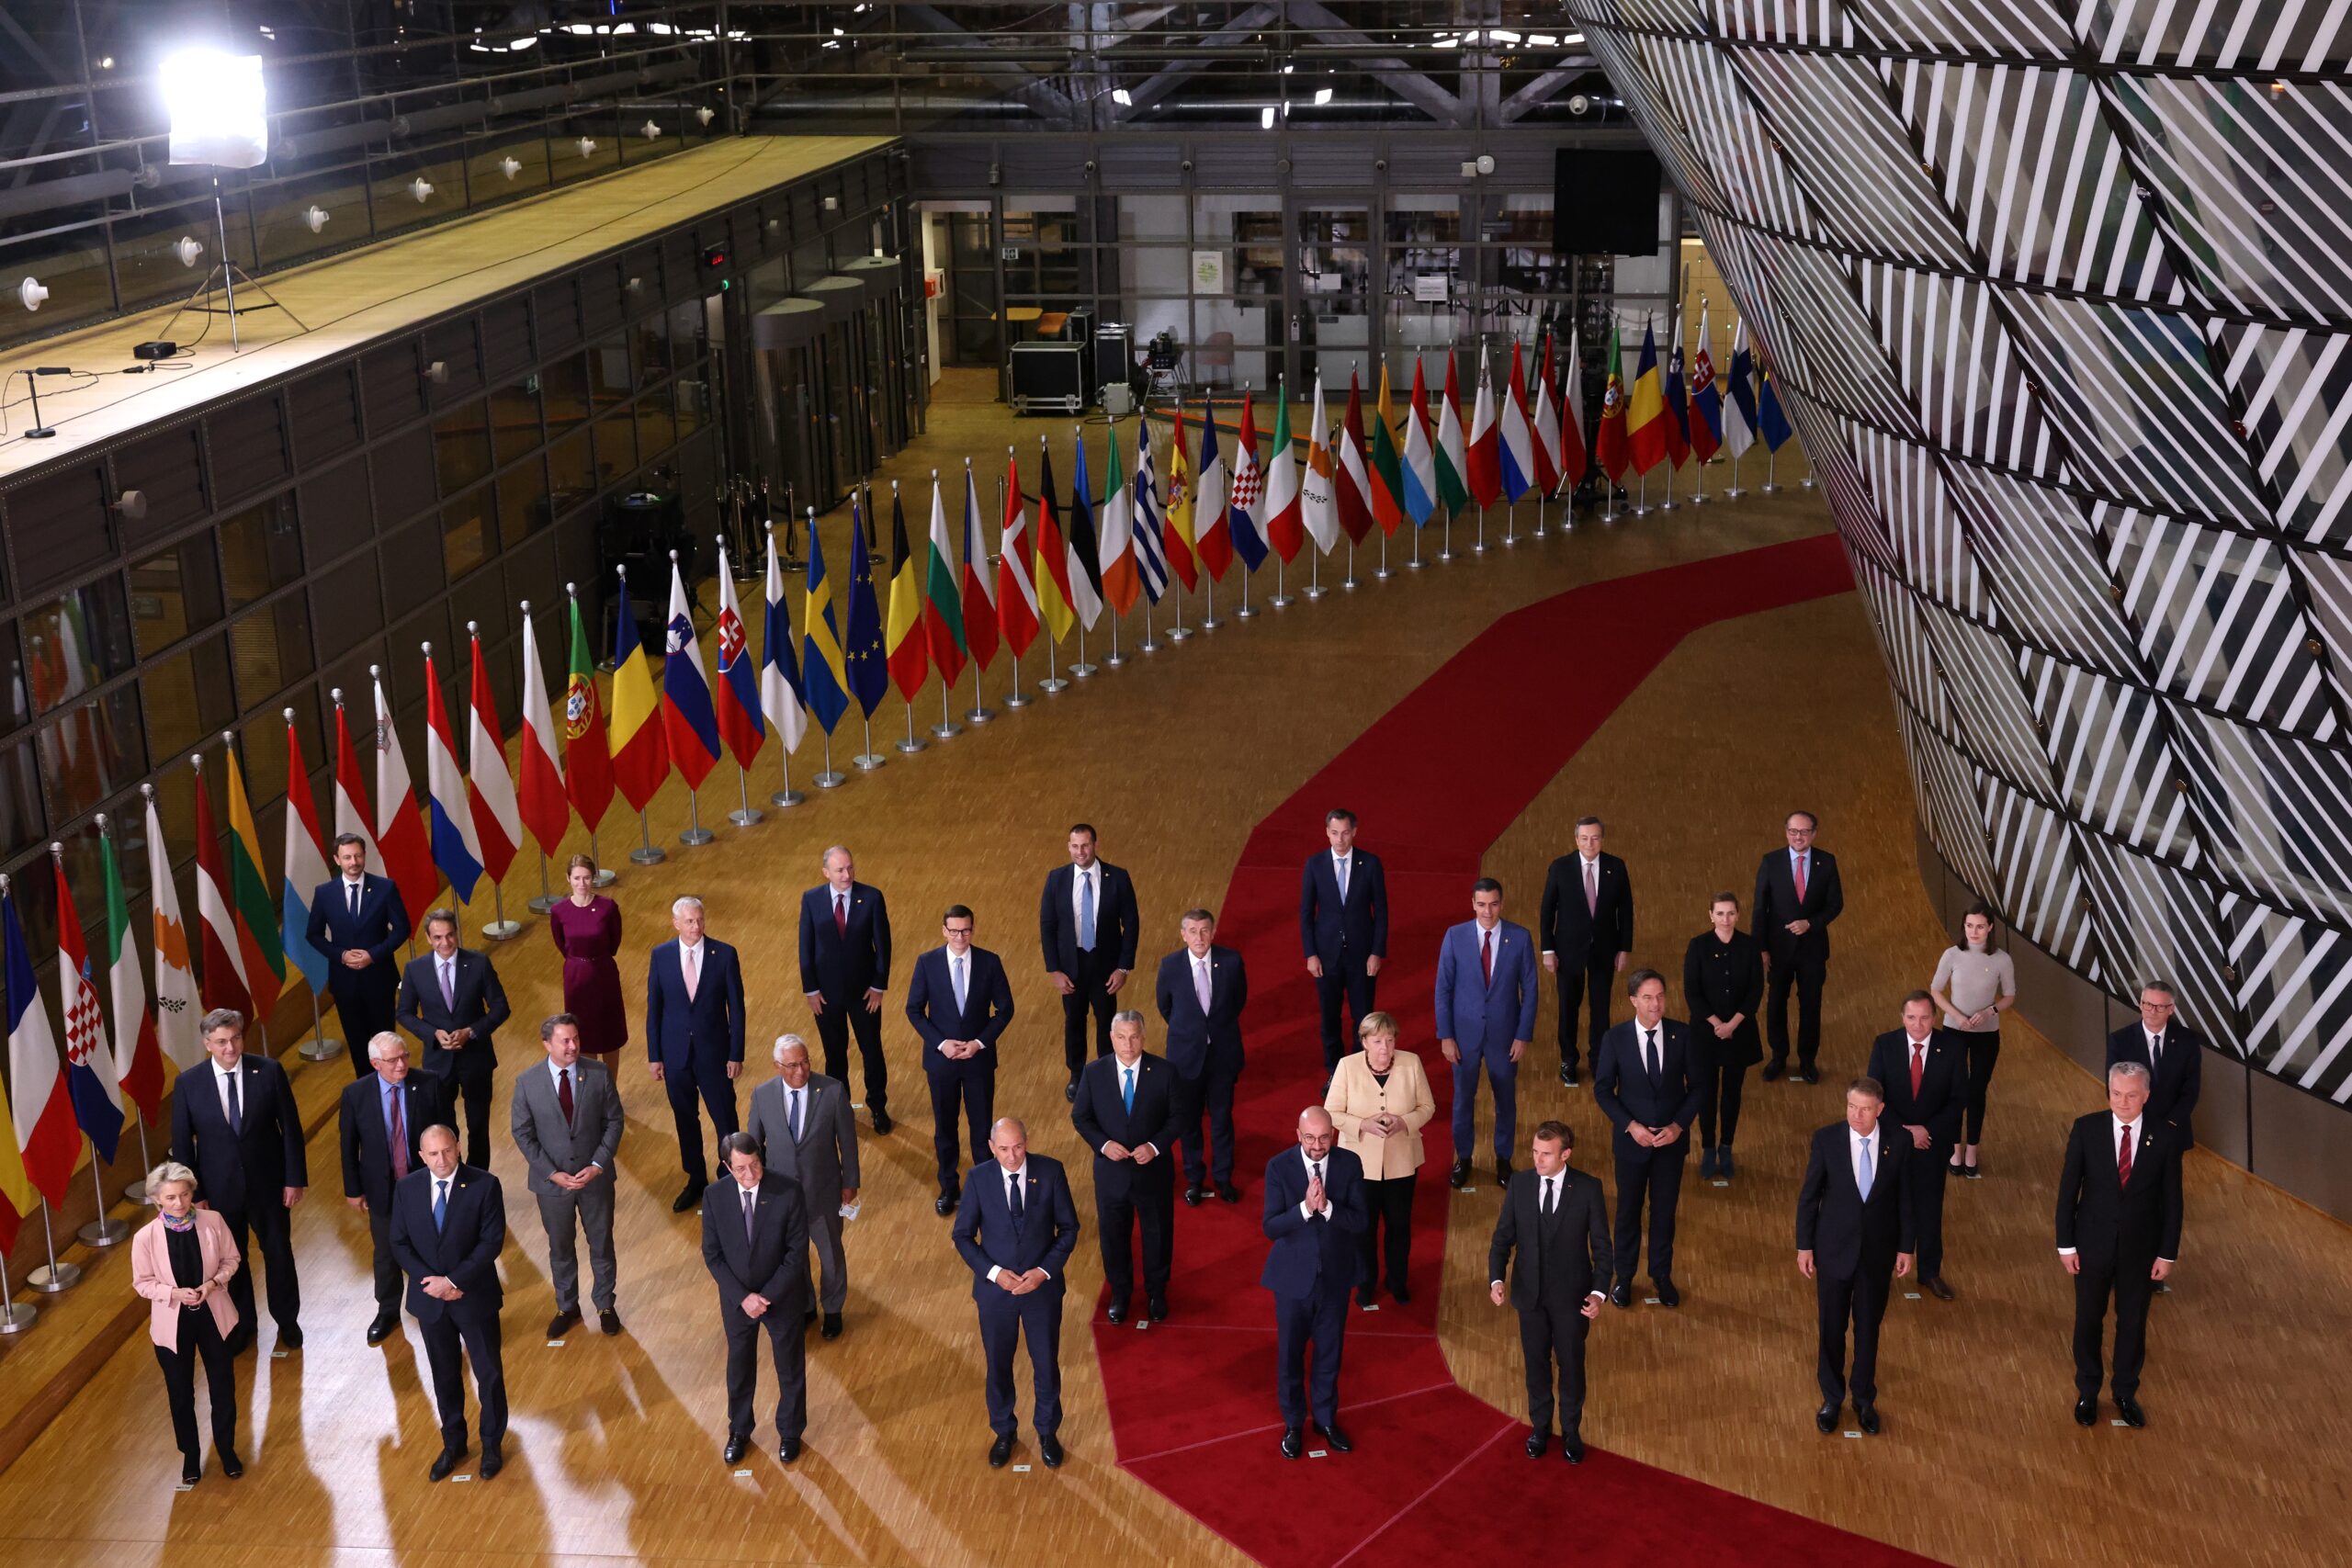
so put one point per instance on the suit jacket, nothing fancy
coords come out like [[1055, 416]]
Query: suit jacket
[[1328, 924], [1198, 1040], [984, 1235], [824, 1161], [769, 1257], [1473, 1013], [1318, 1255], [1846, 1233], [1562, 1259], [380, 927], [1101, 1115], [1355, 1097], [701, 1035], [234, 1171], [465, 1250], [2112, 1225], [548, 1142], [481, 1007], [2178, 1078], [151, 1275], [1621, 1086], [1116, 924], [1942, 1100], [366, 1139], [1579, 935], [843, 970], [930, 1006], [1777, 904]]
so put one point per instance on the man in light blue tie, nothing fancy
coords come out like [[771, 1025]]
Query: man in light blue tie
[[1086, 928], [448, 1224], [807, 1133], [959, 1002], [1853, 1238], [1125, 1110]]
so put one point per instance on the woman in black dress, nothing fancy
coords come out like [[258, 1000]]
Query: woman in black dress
[[1722, 981]]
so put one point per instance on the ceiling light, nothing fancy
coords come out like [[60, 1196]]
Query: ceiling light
[[1122, 96], [1266, 118], [1322, 96]]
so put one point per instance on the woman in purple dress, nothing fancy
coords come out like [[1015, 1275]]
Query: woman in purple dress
[[587, 929]]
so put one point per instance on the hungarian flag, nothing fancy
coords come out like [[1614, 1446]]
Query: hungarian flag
[[223, 970], [587, 762], [1212, 494], [943, 611], [1176, 508], [633, 734], [408, 856], [489, 789], [1646, 409], [1518, 443], [865, 656], [1706, 398], [1677, 404], [904, 648], [1574, 449], [141, 1053], [1388, 475], [1452, 460], [1283, 507], [1318, 500], [1739, 405], [257, 914], [1771, 420], [47, 1142], [89, 1065], [545, 809], [1612, 450], [1085, 554], [1122, 584], [176, 1006], [1485, 472], [456, 850], [735, 695], [1546, 427], [351, 812], [1421, 461], [1352, 476], [784, 700], [1056, 607], [824, 667], [1017, 612], [304, 873], [689, 722], [979, 620]]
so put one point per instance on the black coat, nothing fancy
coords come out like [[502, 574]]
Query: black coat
[[367, 1142], [1197, 1041], [1621, 1088], [1115, 923], [1101, 1115], [1845, 1233], [843, 971], [1942, 1100], [235, 1171], [481, 1007], [2109, 1224], [1562, 1259], [1331, 927], [770, 1259], [1721, 979], [1578, 935], [464, 1250], [2178, 1078]]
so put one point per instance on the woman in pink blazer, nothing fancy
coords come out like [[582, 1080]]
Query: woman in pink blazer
[[182, 1261], [1379, 1101]]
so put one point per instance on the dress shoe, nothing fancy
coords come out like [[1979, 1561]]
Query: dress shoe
[[2131, 1411], [1937, 1288], [1049, 1448], [1193, 1194], [383, 1328], [737, 1445], [191, 1468], [943, 1205], [808, 1316], [1667, 1296], [1341, 1442], [788, 1450], [1292, 1446], [1502, 1173], [1809, 1075], [1366, 1296], [562, 1321], [290, 1338], [1773, 1072], [609, 1321], [1568, 1075], [1228, 1192], [2086, 1412], [1159, 1309], [882, 1123], [2163, 1288], [448, 1462], [1401, 1293], [1459, 1177], [1118, 1312], [1825, 1418], [832, 1329], [1069, 1091], [1621, 1296], [1722, 1162], [1001, 1451], [1973, 1170], [1706, 1163], [1537, 1443], [689, 1196], [1866, 1417], [231, 1465], [493, 1461], [1572, 1449]]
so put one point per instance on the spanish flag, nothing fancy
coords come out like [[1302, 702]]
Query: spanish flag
[[1176, 508], [640, 752], [1645, 409]]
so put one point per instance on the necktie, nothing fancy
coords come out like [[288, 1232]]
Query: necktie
[[449, 984], [2123, 1159], [440, 1204], [1487, 955], [2156, 1052], [692, 957], [1592, 887], [1086, 911], [1012, 1201], [1650, 1063], [1127, 1088], [352, 889], [957, 966], [840, 913], [751, 1201], [1314, 1169], [1201, 984], [1869, 1174], [563, 1093], [1340, 872], [1551, 1196], [1800, 878], [399, 1137], [1919, 1067], [236, 1105], [795, 1115]]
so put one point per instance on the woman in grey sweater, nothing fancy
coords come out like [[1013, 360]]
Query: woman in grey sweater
[[1975, 984]]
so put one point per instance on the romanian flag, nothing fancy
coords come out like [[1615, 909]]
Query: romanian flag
[[943, 611], [1609, 449], [1055, 606], [639, 751], [903, 646], [1176, 509], [258, 913], [1646, 409], [1387, 470], [824, 675], [587, 764]]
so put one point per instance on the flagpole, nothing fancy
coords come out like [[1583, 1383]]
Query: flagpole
[[829, 779], [1734, 493], [1082, 671], [1117, 658], [787, 796], [1053, 684], [743, 816], [866, 761], [911, 745], [1511, 523], [1669, 503], [1540, 498], [1281, 600], [1415, 564], [948, 728], [546, 900], [1383, 574], [105, 1230], [14, 1319], [136, 1193], [57, 1276], [1771, 461], [1179, 631], [645, 854], [606, 876], [1314, 588], [1209, 622], [1014, 699], [1350, 580], [1445, 545], [1479, 549], [1642, 504], [1148, 644]]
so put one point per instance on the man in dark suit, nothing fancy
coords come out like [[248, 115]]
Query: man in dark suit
[[359, 922], [451, 1000], [844, 970], [1587, 932], [1644, 1082], [1201, 990], [1485, 1018], [1316, 1216], [2173, 1054], [1343, 926], [808, 1136], [1922, 1072], [1086, 923], [959, 1002], [1014, 1230], [234, 1123], [1853, 1240], [2119, 1232], [1125, 1110], [1553, 1219], [693, 1036], [448, 1222], [379, 1123], [567, 1123], [755, 1244], [1797, 895]]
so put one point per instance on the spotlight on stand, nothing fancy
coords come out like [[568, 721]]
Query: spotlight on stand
[[219, 111]]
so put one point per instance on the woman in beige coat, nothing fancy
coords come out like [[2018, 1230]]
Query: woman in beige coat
[[182, 1261], [1379, 1100]]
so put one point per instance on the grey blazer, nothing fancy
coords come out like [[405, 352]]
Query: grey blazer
[[825, 1160], [548, 1145]]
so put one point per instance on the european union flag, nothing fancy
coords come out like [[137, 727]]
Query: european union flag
[[868, 661]]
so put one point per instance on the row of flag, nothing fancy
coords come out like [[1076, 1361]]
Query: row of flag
[[1682, 413]]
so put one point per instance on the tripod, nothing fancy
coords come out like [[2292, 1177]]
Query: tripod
[[228, 275]]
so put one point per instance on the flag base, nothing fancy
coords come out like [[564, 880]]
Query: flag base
[[695, 836], [1668, 505], [1052, 685], [1733, 493], [1082, 672], [1246, 612], [829, 779], [1280, 602], [1382, 575], [1148, 646], [51, 1278], [1768, 490], [315, 1049], [784, 799], [17, 1317], [541, 904], [1805, 483], [1314, 590], [1348, 582], [496, 930], [104, 1232], [746, 817], [1644, 511], [647, 855], [137, 1191], [1115, 661], [1176, 634], [978, 715], [867, 761], [911, 745], [606, 876], [946, 729], [1016, 700], [1700, 499]]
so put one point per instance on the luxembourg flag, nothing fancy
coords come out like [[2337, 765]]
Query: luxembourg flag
[[1519, 475], [456, 849], [498, 824], [782, 702], [687, 712], [739, 692], [399, 834]]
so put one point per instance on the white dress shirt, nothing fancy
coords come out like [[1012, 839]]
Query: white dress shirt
[[353, 887]]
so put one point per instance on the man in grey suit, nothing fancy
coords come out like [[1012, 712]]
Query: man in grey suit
[[568, 1124], [805, 1132]]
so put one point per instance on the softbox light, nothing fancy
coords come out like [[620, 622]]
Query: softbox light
[[220, 113]]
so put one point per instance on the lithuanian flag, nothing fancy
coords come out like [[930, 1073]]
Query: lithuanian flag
[[257, 911]]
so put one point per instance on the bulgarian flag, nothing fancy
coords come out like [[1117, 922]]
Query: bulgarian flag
[[943, 611]]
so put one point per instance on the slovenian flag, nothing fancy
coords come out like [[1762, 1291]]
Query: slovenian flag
[[687, 716]]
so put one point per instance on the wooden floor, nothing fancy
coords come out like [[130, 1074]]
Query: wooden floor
[[614, 1453]]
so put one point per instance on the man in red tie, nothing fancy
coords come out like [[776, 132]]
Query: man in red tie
[[567, 1123], [1486, 1016], [380, 1122], [845, 971], [1585, 932], [1797, 896], [694, 1037], [1925, 1072], [2119, 1232]]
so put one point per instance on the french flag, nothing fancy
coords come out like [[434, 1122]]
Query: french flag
[[687, 712], [739, 690], [498, 824], [456, 850]]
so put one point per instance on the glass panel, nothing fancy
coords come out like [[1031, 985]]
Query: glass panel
[[75, 642], [1335, 275], [616, 446], [564, 386], [521, 502], [466, 533], [461, 447], [656, 431], [91, 751], [609, 380], [174, 593], [22, 823], [261, 550], [571, 470], [271, 649], [653, 336], [689, 334], [515, 419], [15, 705], [189, 698]]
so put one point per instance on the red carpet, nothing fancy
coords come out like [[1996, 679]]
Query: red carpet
[[1192, 1401]]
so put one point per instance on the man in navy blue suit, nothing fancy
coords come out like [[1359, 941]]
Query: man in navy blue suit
[[451, 1000], [1201, 990], [358, 921], [1486, 1016], [1343, 926], [1086, 924], [1923, 1074], [959, 1002], [1643, 1082], [380, 1123], [844, 970], [1014, 1229], [448, 1222], [1315, 1217], [694, 1037], [1853, 1241], [2173, 1052], [1125, 1110]]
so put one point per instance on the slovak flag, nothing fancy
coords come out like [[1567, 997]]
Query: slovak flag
[[687, 712], [739, 690], [456, 851]]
